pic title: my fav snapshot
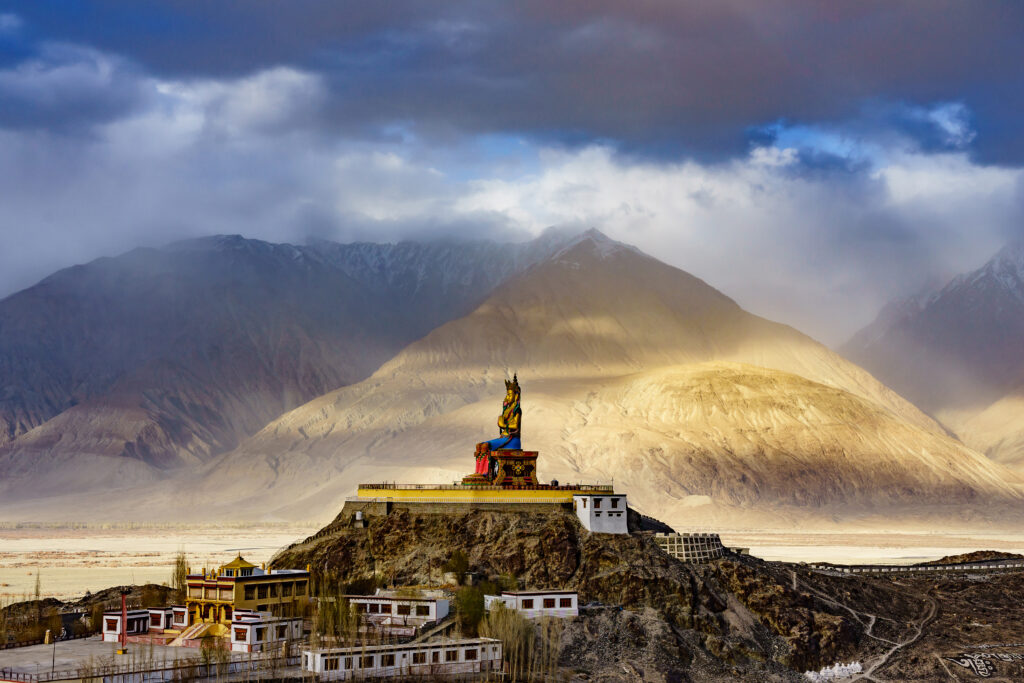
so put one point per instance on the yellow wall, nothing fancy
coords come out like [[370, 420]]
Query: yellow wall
[[470, 495]]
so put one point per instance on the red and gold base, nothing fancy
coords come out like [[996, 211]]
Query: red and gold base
[[516, 468]]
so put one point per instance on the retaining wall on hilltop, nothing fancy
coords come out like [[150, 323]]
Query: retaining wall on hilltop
[[691, 547]]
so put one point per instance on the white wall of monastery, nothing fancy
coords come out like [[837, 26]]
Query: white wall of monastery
[[604, 514]]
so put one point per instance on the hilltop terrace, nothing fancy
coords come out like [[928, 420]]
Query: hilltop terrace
[[478, 493], [456, 486]]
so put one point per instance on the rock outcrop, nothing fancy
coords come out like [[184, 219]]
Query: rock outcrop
[[731, 618]]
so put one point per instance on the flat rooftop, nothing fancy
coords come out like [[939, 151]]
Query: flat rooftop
[[72, 654]]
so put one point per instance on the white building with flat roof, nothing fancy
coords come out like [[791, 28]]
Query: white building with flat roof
[[429, 659], [535, 604], [138, 624], [160, 618], [399, 610], [262, 631], [601, 513]]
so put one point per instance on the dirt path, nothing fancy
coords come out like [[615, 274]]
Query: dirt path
[[866, 619], [933, 609]]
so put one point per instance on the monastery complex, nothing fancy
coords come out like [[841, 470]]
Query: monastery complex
[[244, 608]]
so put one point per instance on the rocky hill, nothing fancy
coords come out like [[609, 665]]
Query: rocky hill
[[698, 610], [735, 619], [634, 371]]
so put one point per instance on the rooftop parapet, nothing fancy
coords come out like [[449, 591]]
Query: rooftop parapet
[[596, 488]]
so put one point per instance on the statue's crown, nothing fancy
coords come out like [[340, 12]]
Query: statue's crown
[[513, 384]]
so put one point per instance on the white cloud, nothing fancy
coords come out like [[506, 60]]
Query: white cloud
[[10, 23], [817, 251]]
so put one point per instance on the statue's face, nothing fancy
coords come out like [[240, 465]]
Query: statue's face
[[509, 395]]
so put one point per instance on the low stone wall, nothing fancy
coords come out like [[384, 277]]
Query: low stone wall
[[905, 569], [691, 547]]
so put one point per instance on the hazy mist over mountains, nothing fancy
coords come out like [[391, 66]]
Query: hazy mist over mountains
[[957, 352], [242, 377], [165, 357]]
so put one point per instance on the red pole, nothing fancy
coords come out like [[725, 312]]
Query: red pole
[[124, 622]]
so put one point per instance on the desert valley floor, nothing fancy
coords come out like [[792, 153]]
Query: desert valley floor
[[72, 561]]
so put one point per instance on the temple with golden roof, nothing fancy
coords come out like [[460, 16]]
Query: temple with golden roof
[[504, 473]]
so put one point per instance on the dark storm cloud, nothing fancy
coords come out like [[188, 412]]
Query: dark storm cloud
[[663, 78], [67, 88], [811, 159]]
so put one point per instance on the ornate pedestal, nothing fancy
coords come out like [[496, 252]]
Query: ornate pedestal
[[516, 468]]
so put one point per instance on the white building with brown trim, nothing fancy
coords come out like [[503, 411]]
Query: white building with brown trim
[[535, 604], [399, 610], [138, 624], [161, 619], [434, 658], [261, 631], [602, 513]]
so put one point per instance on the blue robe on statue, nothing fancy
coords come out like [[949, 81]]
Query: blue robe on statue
[[510, 443]]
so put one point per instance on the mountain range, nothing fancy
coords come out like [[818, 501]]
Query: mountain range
[[126, 368], [242, 378], [958, 353]]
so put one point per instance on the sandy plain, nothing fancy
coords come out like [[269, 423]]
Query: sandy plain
[[868, 547], [71, 561]]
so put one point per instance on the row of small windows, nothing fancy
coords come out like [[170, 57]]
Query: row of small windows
[[369, 661], [261, 633], [549, 603], [386, 608], [597, 502], [244, 571], [253, 592], [264, 591]]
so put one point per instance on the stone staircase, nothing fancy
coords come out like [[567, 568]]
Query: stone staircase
[[193, 633]]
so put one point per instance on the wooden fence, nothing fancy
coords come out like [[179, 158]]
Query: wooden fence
[[137, 672]]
